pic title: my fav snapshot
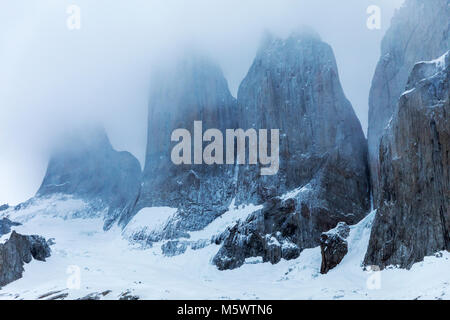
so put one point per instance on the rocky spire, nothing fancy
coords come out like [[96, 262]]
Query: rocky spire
[[192, 89], [293, 85]]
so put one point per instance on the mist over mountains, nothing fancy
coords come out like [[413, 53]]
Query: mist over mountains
[[338, 204], [54, 79]]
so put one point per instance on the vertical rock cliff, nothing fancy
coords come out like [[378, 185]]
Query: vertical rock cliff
[[419, 31], [293, 85], [194, 89], [413, 217]]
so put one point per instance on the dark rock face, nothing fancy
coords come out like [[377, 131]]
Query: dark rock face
[[413, 217], [6, 224], [333, 246], [127, 295], [4, 207], [39, 247], [17, 251], [194, 90], [293, 85], [420, 31], [87, 167]]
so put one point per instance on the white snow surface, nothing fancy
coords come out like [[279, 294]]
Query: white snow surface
[[233, 215], [149, 220], [107, 261], [440, 62], [58, 205], [294, 193]]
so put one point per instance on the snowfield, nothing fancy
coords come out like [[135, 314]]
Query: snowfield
[[87, 260]]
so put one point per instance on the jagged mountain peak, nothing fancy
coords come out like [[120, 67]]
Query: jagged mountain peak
[[294, 84]]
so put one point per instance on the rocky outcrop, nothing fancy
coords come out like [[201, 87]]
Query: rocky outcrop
[[95, 295], [17, 251], [4, 207], [271, 233], [5, 226], [293, 85], [333, 246], [419, 31], [173, 248], [413, 217], [87, 167], [194, 89]]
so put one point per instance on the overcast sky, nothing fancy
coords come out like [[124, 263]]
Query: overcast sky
[[52, 78]]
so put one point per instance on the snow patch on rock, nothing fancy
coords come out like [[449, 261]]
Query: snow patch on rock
[[148, 221]]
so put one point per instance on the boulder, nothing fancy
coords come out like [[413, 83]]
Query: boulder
[[271, 233], [17, 251], [333, 246]]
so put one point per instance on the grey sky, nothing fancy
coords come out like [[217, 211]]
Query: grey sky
[[52, 79]]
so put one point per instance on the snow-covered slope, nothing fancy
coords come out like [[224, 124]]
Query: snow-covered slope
[[106, 262]]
